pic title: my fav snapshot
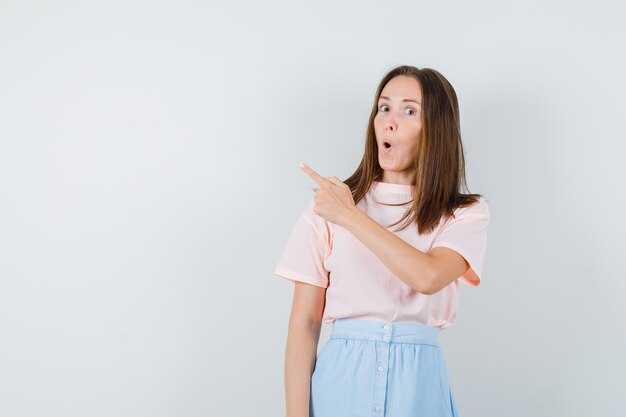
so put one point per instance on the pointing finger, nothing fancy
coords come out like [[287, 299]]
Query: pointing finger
[[314, 175]]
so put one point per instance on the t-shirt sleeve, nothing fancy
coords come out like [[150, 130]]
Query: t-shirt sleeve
[[308, 246], [467, 235]]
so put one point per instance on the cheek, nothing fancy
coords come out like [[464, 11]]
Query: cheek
[[414, 125], [415, 134], [410, 144], [379, 132]]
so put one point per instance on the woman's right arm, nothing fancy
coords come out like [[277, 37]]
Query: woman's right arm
[[305, 324]]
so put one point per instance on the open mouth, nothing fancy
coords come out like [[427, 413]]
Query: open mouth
[[387, 149]]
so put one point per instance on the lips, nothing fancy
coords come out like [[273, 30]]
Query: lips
[[387, 147]]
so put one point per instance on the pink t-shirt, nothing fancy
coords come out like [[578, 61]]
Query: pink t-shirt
[[358, 284]]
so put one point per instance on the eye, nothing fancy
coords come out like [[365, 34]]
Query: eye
[[412, 110]]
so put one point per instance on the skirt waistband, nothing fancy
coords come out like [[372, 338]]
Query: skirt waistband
[[384, 332]]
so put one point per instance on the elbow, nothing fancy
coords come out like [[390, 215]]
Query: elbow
[[427, 290], [426, 284], [427, 279]]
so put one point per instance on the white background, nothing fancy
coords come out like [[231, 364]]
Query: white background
[[149, 180]]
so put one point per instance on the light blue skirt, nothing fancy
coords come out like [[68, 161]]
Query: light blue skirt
[[378, 369]]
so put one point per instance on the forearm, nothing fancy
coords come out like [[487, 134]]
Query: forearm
[[408, 263], [300, 355]]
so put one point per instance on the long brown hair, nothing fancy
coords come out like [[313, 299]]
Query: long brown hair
[[439, 164]]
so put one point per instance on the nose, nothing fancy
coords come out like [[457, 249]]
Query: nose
[[390, 126]]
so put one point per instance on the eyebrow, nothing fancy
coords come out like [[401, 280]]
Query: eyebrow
[[403, 100]]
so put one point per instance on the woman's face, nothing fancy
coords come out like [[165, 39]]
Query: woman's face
[[398, 122]]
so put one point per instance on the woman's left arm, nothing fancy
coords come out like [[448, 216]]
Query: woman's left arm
[[424, 272]]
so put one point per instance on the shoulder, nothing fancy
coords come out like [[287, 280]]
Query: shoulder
[[479, 208]]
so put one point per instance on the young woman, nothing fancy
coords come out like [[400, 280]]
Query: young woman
[[386, 292]]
